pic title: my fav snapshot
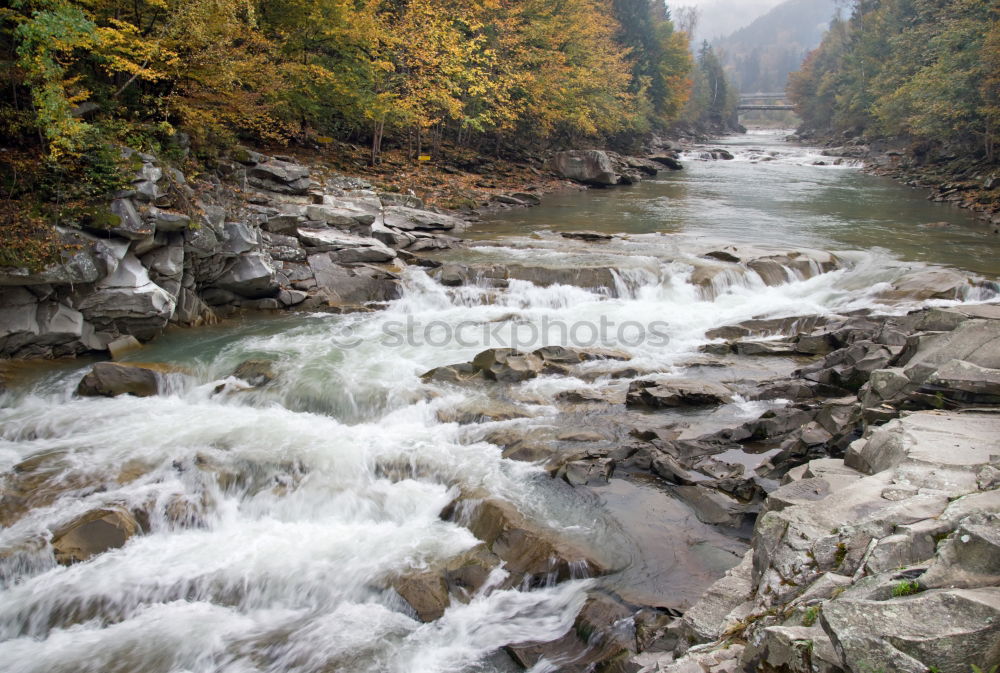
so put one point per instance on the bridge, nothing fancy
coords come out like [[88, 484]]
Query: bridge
[[763, 101]]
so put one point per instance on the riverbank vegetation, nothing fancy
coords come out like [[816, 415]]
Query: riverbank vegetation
[[188, 80], [923, 71], [414, 73]]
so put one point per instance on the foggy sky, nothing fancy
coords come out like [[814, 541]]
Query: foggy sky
[[721, 17]]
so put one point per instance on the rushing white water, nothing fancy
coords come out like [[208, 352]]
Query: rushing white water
[[277, 518]]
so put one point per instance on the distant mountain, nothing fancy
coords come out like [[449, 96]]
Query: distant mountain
[[759, 57], [721, 17]]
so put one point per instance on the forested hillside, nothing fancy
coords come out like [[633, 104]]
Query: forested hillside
[[760, 56], [83, 71], [926, 71]]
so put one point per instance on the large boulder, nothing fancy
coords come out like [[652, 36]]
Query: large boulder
[[592, 167], [667, 160], [942, 630], [93, 533], [426, 593], [974, 341], [280, 176], [128, 223], [339, 216], [110, 379], [128, 302], [953, 446], [354, 285], [718, 609], [31, 328], [345, 248], [508, 365], [530, 551], [167, 221], [252, 275], [968, 558], [240, 237], [679, 393], [931, 284], [412, 219]]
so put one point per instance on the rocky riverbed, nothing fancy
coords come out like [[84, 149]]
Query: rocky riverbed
[[795, 468]]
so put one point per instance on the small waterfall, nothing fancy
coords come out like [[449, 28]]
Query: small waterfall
[[269, 527]]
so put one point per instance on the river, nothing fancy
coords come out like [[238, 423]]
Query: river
[[301, 501]]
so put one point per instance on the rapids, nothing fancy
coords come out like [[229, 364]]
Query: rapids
[[277, 517]]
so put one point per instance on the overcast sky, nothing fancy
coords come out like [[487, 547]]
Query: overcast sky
[[721, 17]]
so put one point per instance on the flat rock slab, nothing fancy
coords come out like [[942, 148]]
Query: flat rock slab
[[946, 629], [962, 440]]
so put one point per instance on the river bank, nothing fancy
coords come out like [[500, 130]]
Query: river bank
[[966, 182], [396, 489], [265, 233]]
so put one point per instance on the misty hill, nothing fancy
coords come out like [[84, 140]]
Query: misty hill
[[760, 56], [718, 18]]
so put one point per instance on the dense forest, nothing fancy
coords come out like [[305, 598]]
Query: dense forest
[[83, 72], [189, 80], [926, 71]]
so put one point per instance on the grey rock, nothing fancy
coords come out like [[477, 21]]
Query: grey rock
[[122, 346], [191, 310], [352, 285], [110, 379], [166, 261], [240, 237], [713, 613], [975, 341], [94, 258], [678, 393], [339, 216], [794, 649], [167, 221], [291, 297], [587, 166], [804, 491], [131, 225], [931, 284], [946, 629], [252, 276], [345, 247], [128, 301], [939, 440], [411, 219], [507, 365], [966, 381], [968, 558], [279, 171], [18, 319]]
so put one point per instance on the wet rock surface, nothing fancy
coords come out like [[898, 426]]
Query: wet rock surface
[[850, 556], [784, 494], [175, 255], [879, 426]]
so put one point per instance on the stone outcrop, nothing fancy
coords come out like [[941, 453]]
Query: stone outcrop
[[891, 563], [601, 168], [166, 253]]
